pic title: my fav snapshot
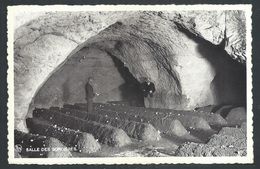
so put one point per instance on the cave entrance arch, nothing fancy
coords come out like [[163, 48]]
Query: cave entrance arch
[[142, 57], [66, 85], [171, 68]]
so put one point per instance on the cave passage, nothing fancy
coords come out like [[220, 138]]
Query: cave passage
[[131, 91]]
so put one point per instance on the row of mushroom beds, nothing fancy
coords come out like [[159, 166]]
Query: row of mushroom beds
[[56, 132]]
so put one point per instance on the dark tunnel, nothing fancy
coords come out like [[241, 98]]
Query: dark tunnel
[[131, 90]]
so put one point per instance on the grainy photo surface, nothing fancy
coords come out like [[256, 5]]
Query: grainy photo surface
[[129, 84]]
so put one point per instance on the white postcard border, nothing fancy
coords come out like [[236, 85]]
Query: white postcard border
[[128, 160]]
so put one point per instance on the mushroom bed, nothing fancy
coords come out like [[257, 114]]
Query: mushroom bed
[[115, 129]]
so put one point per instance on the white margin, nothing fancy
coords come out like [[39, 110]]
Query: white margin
[[128, 160]]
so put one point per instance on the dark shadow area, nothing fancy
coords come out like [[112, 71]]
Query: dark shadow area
[[182, 139], [131, 90], [66, 94], [217, 107], [203, 135], [229, 83]]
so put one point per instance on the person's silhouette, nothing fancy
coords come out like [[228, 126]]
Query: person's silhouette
[[90, 94], [148, 88]]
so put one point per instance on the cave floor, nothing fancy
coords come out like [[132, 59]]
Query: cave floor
[[217, 140], [166, 146], [163, 147]]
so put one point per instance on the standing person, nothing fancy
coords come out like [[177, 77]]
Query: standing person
[[90, 94], [148, 89]]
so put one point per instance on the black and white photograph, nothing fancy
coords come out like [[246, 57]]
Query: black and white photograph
[[129, 84]]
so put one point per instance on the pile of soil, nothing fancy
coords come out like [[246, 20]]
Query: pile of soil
[[58, 150], [229, 141], [146, 132], [88, 144], [177, 128]]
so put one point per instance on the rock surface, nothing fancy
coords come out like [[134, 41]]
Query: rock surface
[[187, 72], [228, 142], [218, 27]]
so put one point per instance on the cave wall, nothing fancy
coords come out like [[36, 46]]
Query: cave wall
[[151, 44]]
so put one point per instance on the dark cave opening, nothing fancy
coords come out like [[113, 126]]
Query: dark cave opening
[[229, 83], [131, 90]]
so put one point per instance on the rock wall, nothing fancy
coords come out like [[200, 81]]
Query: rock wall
[[173, 49], [227, 27]]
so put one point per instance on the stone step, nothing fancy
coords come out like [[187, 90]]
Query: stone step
[[104, 133], [74, 140]]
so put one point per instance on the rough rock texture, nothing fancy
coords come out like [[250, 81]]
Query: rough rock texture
[[228, 142], [105, 134], [196, 149], [218, 27], [39, 56], [187, 71], [79, 141], [23, 17], [17, 152], [243, 126]]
